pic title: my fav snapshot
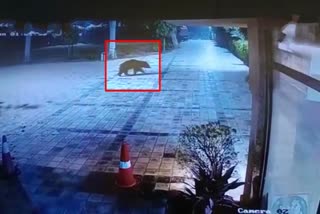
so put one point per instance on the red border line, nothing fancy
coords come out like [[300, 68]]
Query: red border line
[[135, 40]]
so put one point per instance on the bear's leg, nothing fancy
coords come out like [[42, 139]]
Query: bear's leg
[[121, 71], [135, 70], [138, 69]]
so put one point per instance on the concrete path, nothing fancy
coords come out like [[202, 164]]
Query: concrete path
[[58, 116]]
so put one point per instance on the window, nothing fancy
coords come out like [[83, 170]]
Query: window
[[293, 169]]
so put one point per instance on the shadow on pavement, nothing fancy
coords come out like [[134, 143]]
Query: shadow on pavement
[[141, 74], [13, 197], [140, 199], [55, 190]]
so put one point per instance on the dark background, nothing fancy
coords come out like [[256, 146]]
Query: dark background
[[46, 11]]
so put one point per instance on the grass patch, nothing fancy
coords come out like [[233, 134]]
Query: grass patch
[[133, 50], [124, 50]]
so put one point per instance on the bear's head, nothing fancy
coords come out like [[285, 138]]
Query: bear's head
[[145, 65]]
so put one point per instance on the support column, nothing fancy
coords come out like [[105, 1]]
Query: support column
[[112, 45], [27, 47], [260, 65]]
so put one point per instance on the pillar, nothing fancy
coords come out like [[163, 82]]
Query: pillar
[[112, 45], [260, 66]]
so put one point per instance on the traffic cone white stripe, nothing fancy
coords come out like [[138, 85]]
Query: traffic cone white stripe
[[5, 148], [125, 178], [125, 165]]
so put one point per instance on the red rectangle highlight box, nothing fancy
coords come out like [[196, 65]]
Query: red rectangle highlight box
[[106, 69]]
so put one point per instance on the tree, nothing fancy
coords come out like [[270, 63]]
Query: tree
[[174, 39], [208, 150], [71, 37], [54, 30], [236, 33], [208, 144], [112, 45], [161, 30], [28, 31]]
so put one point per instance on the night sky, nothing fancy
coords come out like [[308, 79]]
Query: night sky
[[58, 10]]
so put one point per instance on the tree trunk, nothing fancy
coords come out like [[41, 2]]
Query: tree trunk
[[27, 49], [69, 51], [173, 35], [164, 44], [72, 50], [112, 45]]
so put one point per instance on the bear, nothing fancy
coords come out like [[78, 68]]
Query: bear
[[134, 64]]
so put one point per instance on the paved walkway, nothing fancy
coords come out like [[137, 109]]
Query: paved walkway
[[63, 122]]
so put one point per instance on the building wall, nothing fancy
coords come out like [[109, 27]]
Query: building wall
[[293, 174], [308, 32]]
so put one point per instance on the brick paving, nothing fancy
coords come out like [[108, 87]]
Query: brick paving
[[81, 135]]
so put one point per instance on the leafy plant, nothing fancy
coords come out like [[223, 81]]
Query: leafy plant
[[211, 187], [241, 48], [70, 34], [234, 39], [54, 30], [208, 150], [208, 144], [160, 30], [28, 27], [236, 33], [209, 207], [71, 37]]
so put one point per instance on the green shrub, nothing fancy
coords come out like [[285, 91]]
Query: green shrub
[[241, 49], [234, 39], [236, 33], [208, 150], [208, 144], [210, 190]]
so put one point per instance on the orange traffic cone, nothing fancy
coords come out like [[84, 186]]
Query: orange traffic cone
[[7, 163], [125, 177]]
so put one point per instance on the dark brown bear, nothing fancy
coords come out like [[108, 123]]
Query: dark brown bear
[[136, 65]]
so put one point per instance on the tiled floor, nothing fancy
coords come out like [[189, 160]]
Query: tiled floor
[[82, 133]]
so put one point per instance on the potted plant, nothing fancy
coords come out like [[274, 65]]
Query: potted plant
[[209, 195], [208, 151], [206, 145]]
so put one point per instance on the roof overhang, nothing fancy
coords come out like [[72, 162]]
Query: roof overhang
[[40, 11], [212, 22], [240, 22]]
